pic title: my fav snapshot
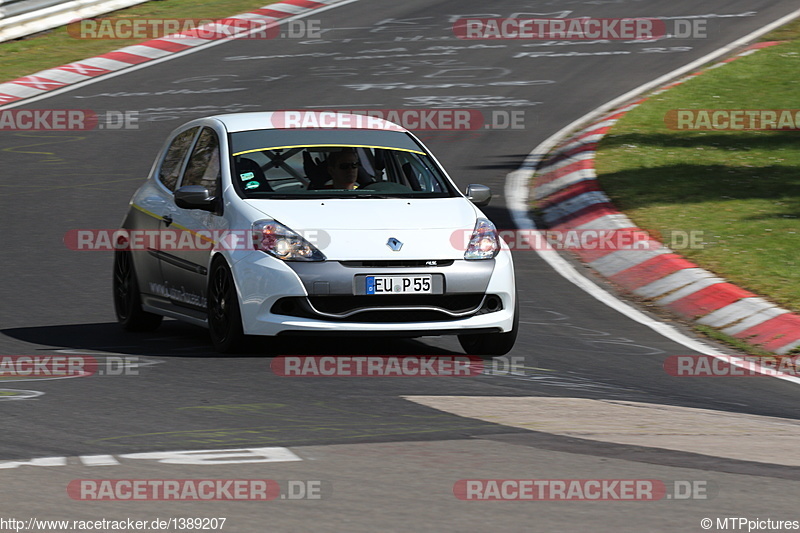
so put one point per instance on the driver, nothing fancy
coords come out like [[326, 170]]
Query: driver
[[343, 168]]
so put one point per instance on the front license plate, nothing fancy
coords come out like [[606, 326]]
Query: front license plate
[[399, 285]]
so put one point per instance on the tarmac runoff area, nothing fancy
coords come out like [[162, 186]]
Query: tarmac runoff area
[[713, 433]]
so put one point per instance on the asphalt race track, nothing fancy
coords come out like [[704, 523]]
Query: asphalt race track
[[386, 459]]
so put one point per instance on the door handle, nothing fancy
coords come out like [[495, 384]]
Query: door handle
[[167, 219]]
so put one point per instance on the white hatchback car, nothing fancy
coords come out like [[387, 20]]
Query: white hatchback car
[[262, 224]]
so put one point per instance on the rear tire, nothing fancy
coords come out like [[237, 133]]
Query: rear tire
[[492, 343], [128, 298], [224, 315]]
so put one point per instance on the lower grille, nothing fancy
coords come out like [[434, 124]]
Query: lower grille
[[389, 308]]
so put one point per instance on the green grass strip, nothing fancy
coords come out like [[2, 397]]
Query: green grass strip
[[56, 47], [741, 189]]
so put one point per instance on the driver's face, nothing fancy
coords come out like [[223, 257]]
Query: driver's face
[[344, 171]]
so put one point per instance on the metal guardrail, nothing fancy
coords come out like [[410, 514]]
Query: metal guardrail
[[19, 18], [11, 8]]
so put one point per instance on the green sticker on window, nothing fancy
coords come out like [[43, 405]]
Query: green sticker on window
[[247, 176], [252, 185]]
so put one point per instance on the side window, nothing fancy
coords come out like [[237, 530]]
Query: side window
[[171, 166], [203, 168]]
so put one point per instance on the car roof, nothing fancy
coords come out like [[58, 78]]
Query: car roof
[[300, 119]]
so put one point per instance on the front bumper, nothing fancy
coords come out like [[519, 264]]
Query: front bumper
[[329, 297]]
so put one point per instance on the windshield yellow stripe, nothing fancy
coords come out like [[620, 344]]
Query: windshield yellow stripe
[[328, 145]]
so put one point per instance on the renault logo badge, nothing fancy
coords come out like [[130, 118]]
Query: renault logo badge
[[394, 244]]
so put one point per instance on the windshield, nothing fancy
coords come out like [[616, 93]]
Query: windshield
[[364, 164]]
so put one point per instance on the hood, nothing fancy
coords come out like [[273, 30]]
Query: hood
[[359, 229]]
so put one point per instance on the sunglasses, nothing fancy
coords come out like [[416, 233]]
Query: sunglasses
[[347, 166]]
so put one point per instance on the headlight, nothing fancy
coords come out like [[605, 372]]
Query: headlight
[[279, 241], [484, 243]]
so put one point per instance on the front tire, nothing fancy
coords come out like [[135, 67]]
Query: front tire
[[128, 298], [492, 343], [224, 315]]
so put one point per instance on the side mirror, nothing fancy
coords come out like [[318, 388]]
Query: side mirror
[[480, 195], [194, 197]]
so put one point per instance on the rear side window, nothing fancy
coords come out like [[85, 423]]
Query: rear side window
[[176, 153], [203, 168]]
